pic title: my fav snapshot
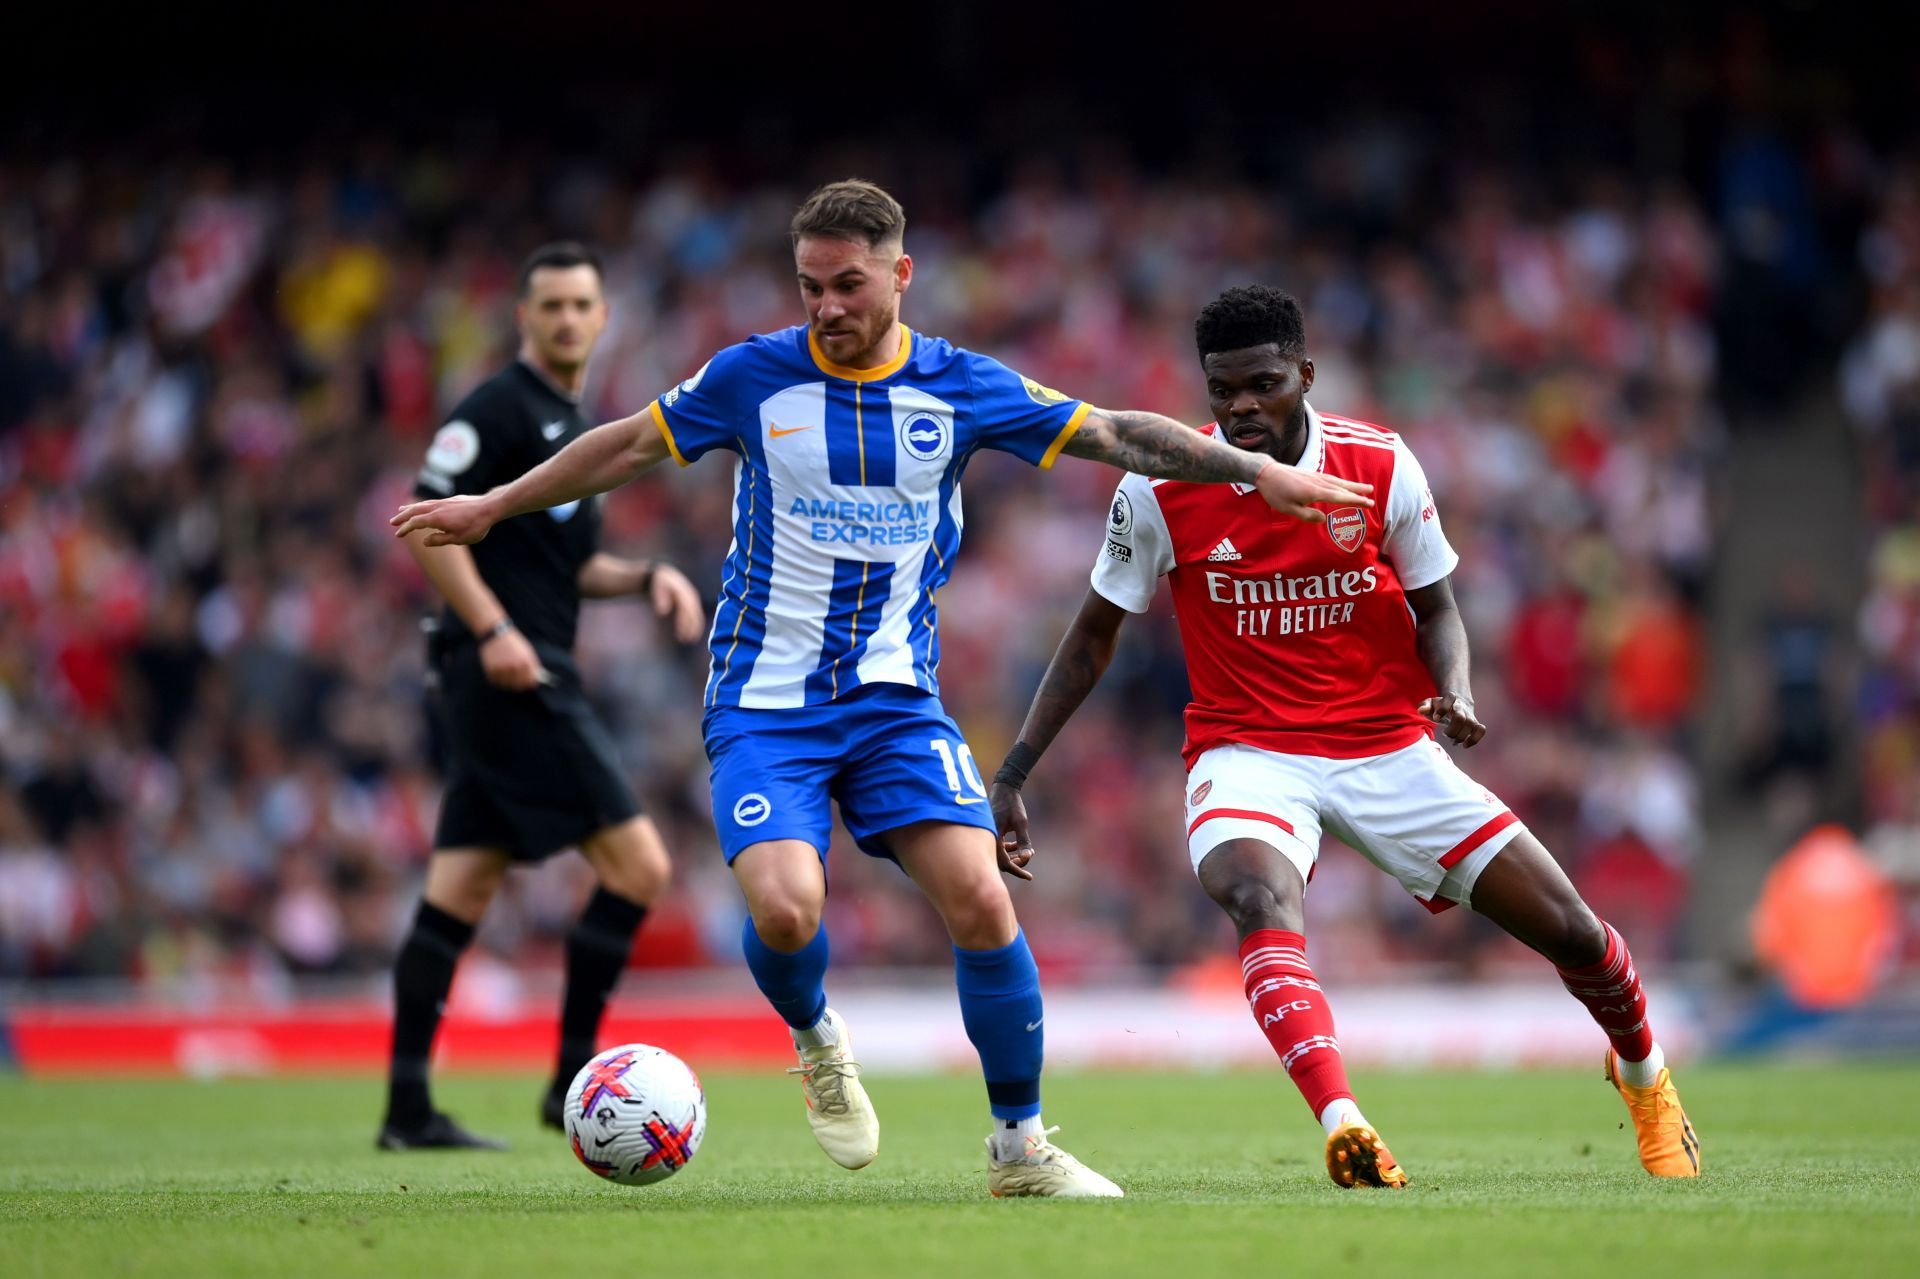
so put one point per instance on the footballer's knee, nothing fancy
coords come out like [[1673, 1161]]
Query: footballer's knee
[[786, 887], [785, 923], [979, 914], [1527, 893], [1562, 927], [1257, 887], [1575, 937], [1257, 902], [462, 881], [629, 860]]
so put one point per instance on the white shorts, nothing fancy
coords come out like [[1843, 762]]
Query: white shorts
[[1412, 813]]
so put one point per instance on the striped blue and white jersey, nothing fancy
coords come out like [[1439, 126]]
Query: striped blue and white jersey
[[846, 509]]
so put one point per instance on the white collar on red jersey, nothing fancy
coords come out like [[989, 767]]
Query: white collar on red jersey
[[1312, 458]]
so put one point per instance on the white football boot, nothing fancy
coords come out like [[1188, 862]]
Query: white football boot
[[842, 1118], [1046, 1169]]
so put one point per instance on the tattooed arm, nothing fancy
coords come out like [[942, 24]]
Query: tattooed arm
[[1165, 449], [1076, 667]]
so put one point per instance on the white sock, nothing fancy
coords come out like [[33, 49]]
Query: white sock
[[819, 1035], [1641, 1074], [1340, 1112], [1010, 1137]]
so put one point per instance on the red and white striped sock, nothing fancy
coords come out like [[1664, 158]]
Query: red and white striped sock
[[1611, 992], [1292, 1012]]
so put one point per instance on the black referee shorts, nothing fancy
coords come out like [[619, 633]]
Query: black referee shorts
[[531, 772]]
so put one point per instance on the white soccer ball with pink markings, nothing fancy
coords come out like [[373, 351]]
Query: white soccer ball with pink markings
[[635, 1114]]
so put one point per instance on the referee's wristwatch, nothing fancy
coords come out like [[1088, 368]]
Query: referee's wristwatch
[[498, 629]]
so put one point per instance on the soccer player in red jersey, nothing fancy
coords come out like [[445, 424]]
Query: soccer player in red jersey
[[1323, 655]]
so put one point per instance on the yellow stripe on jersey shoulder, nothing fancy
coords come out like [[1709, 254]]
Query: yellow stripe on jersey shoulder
[[666, 432], [1067, 432]]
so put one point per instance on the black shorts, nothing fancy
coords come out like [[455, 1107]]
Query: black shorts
[[532, 772]]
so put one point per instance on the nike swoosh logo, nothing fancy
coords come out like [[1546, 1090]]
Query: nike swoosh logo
[[777, 431], [1034, 1025], [961, 799]]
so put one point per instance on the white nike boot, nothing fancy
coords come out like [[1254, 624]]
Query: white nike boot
[[842, 1118], [1045, 1169]]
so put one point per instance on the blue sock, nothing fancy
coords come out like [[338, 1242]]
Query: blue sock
[[794, 984], [1000, 1005]]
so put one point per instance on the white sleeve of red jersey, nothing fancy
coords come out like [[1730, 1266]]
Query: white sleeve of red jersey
[[1138, 549], [1414, 543]]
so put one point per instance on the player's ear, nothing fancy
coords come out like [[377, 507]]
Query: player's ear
[[903, 272], [1306, 375]]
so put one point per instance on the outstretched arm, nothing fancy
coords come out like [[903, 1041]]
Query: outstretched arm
[[1441, 638], [1149, 444], [604, 458], [1077, 665]]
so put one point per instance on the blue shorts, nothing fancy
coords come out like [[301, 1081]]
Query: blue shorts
[[888, 754]]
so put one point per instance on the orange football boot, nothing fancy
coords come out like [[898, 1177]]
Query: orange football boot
[[1668, 1144], [1357, 1157]]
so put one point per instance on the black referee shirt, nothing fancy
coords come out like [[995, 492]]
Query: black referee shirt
[[509, 424]]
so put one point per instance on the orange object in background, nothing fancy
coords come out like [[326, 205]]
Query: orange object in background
[[1654, 671], [1827, 921]]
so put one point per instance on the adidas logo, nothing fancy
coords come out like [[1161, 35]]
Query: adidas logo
[[1222, 552]]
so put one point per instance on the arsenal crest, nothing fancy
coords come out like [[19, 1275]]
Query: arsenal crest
[[1200, 792], [1347, 527]]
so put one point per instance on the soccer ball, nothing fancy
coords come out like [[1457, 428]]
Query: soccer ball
[[635, 1114]]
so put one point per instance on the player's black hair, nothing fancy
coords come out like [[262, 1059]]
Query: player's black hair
[[852, 210], [560, 253], [1251, 315]]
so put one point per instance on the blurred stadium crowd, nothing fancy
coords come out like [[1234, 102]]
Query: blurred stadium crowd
[[1880, 383], [216, 383]]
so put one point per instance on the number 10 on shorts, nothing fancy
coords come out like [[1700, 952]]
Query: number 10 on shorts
[[959, 764]]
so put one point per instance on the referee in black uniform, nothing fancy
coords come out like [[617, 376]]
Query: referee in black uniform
[[532, 769]]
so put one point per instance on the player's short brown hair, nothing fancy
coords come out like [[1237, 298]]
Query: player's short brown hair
[[852, 210]]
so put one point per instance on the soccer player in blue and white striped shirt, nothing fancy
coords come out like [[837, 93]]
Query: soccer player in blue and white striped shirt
[[850, 435]]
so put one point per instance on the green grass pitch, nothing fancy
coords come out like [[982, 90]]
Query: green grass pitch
[[1809, 1171]]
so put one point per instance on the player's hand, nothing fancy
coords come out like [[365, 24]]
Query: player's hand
[[1015, 844], [1454, 715], [510, 662], [455, 521], [1292, 491], [673, 597]]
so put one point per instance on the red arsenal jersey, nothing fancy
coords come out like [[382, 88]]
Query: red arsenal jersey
[[1298, 636]]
